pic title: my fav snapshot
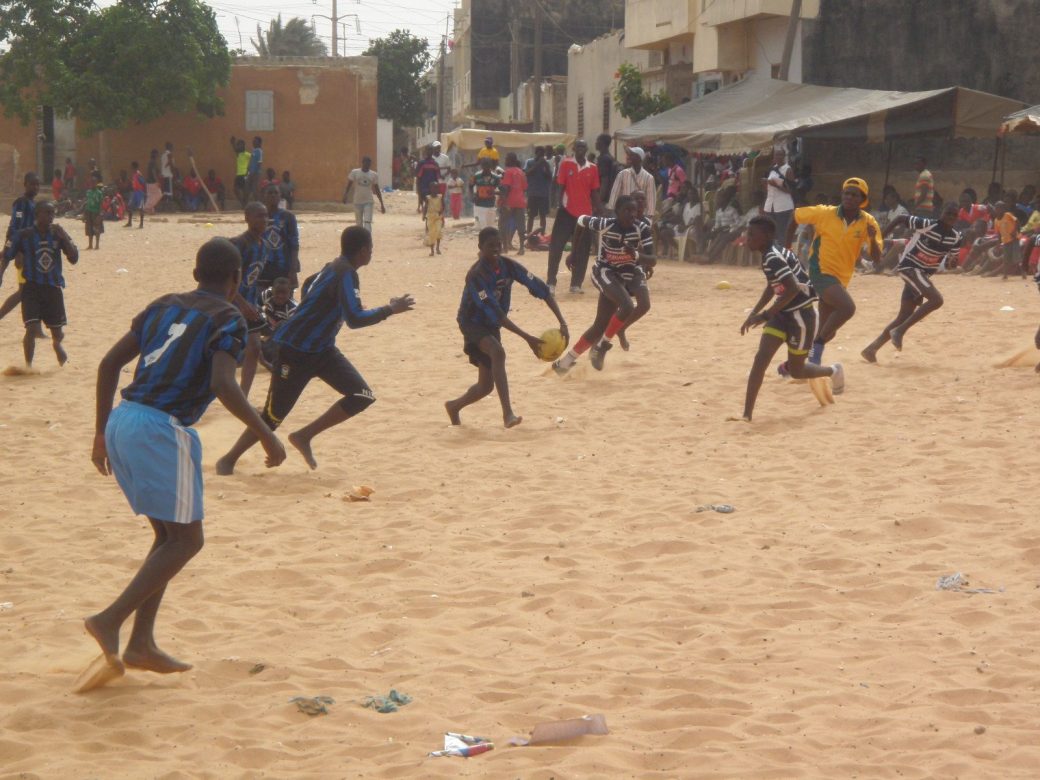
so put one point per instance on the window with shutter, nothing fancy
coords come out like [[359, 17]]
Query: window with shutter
[[259, 110]]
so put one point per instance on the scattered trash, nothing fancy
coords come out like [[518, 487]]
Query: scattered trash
[[6, 605], [122, 271], [389, 703], [257, 668], [526, 594], [360, 493], [563, 730], [462, 745], [1007, 308], [725, 509], [313, 705], [957, 582]]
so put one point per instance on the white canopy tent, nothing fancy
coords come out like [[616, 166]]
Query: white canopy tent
[[1026, 121]]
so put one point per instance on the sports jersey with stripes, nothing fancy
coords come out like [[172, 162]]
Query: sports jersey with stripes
[[488, 293], [254, 257], [179, 334], [23, 215], [616, 238], [781, 266], [282, 238], [41, 256], [929, 244], [276, 313], [331, 297]]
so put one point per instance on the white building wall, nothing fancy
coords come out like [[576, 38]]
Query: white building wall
[[590, 79]]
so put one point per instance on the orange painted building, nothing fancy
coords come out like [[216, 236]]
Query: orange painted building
[[316, 116]]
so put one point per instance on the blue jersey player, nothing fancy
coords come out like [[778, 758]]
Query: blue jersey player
[[306, 348], [37, 253], [255, 254], [483, 312], [187, 345], [23, 215], [283, 242]]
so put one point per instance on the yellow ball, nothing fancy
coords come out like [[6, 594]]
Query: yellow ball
[[723, 285], [552, 345]]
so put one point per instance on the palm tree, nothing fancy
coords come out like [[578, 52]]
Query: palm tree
[[295, 38]]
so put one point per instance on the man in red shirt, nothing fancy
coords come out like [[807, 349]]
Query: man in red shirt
[[514, 187], [579, 187]]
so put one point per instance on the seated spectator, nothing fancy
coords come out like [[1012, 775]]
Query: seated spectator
[[270, 181], [216, 187], [890, 208], [287, 189], [1025, 205], [192, 188], [113, 207], [732, 225], [971, 210]]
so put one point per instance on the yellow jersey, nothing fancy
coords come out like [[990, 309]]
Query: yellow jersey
[[837, 244], [242, 163], [489, 153]]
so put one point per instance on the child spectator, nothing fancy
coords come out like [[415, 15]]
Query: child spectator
[[270, 181], [216, 187], [95, 225], [137, 195], [242, 158], [57, 186], [192, 187], [434, 215], [276, 306], [514, 186], [454, 186], [287, 189], [70, 177]]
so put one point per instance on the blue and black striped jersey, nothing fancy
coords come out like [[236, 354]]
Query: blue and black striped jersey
[[282, 238], [23, 215], [488, 293], [330, 298], [41, 256], [254, 253], [179, 334]]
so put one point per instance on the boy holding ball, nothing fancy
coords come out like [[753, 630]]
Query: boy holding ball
[[483, 312]]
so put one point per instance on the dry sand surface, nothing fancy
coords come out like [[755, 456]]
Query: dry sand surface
[[503, 578]]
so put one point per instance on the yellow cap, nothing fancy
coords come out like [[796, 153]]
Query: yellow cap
[[860, 185]]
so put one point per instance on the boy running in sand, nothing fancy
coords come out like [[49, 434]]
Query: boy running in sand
[[306, 348], [483, 312], [188, 345], [841, 234], [254, 252], [626, 250], [23, 215], [786, 310], [37, 252], [931, 242]]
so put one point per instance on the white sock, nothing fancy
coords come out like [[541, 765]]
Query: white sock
[[568, 360]]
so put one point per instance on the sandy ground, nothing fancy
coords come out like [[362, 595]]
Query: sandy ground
[[503, 578]]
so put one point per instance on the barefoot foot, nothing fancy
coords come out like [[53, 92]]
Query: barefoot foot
[[105, 634], [152, 659], [869, 354], [304, 447], [897, 339], [453, 412], [511, 420], [63, 356]]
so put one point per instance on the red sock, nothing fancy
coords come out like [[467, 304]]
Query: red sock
[[613, 327], [581, 346]]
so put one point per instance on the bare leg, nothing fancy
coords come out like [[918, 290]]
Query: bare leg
[[181, 543], [836, 308], [252, 357], [933, 301], [301, 439], [33, 331], [492, 347], [11, 303], [484, 385], [226, 465], [57, 336], [906, 308], [767, 348]]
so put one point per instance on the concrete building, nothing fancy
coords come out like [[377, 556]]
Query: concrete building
[[317, 118], [591, 73]]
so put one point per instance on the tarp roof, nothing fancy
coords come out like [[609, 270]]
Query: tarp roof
[[1025, 121], [470, 139], [757, 112]]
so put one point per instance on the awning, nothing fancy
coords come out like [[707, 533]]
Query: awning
[[1025, 121], [471, 139], [757, 112]]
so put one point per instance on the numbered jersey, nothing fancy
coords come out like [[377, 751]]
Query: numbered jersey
[[179, 334], [781, 268]]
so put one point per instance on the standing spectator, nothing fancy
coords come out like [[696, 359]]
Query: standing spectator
[[256, 165], [779, 200], [635, 178], [488, 152], [559, 151], [152, 183], [138, 191], [95, 225], [484, 186], [70, 177], [56, 186], [427, 174], [166, 167], [364, 183], [242, 158], [443, 161], [192, 187], [514, 183], [675, 174], [924, 190], [287, 189], [539, 182], [579, 197], [453, 185], [270, 180], [607, 165]]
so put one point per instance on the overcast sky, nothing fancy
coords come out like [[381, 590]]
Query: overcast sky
[[424, 18]]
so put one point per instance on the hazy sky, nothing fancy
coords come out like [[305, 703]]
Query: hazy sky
[[423, 18]]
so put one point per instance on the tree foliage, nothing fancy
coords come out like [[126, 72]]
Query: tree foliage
[[295, 38], [403, 61], [630, 98], [131, 62]]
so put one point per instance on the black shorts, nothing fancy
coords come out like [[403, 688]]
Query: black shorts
[[630, 276], [43, 303], [538, 205], [293, 370], [917, 282], [472, 335], [255, 326], [797, 328]]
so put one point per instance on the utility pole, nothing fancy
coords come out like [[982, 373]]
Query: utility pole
[[538, 66], [792, 31], [335, 30], [440, 88], [514, 60]]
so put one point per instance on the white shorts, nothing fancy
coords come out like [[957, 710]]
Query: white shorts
[[485, 216]]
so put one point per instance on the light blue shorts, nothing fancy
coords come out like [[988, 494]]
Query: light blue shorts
[[157, 462]]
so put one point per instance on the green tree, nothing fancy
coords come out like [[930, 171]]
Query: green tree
[[104, 67], [631, 100], [403, 61], [295, 38]]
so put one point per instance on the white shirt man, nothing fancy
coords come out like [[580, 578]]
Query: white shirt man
[[779, 200], [443, 161], [634, 178]]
